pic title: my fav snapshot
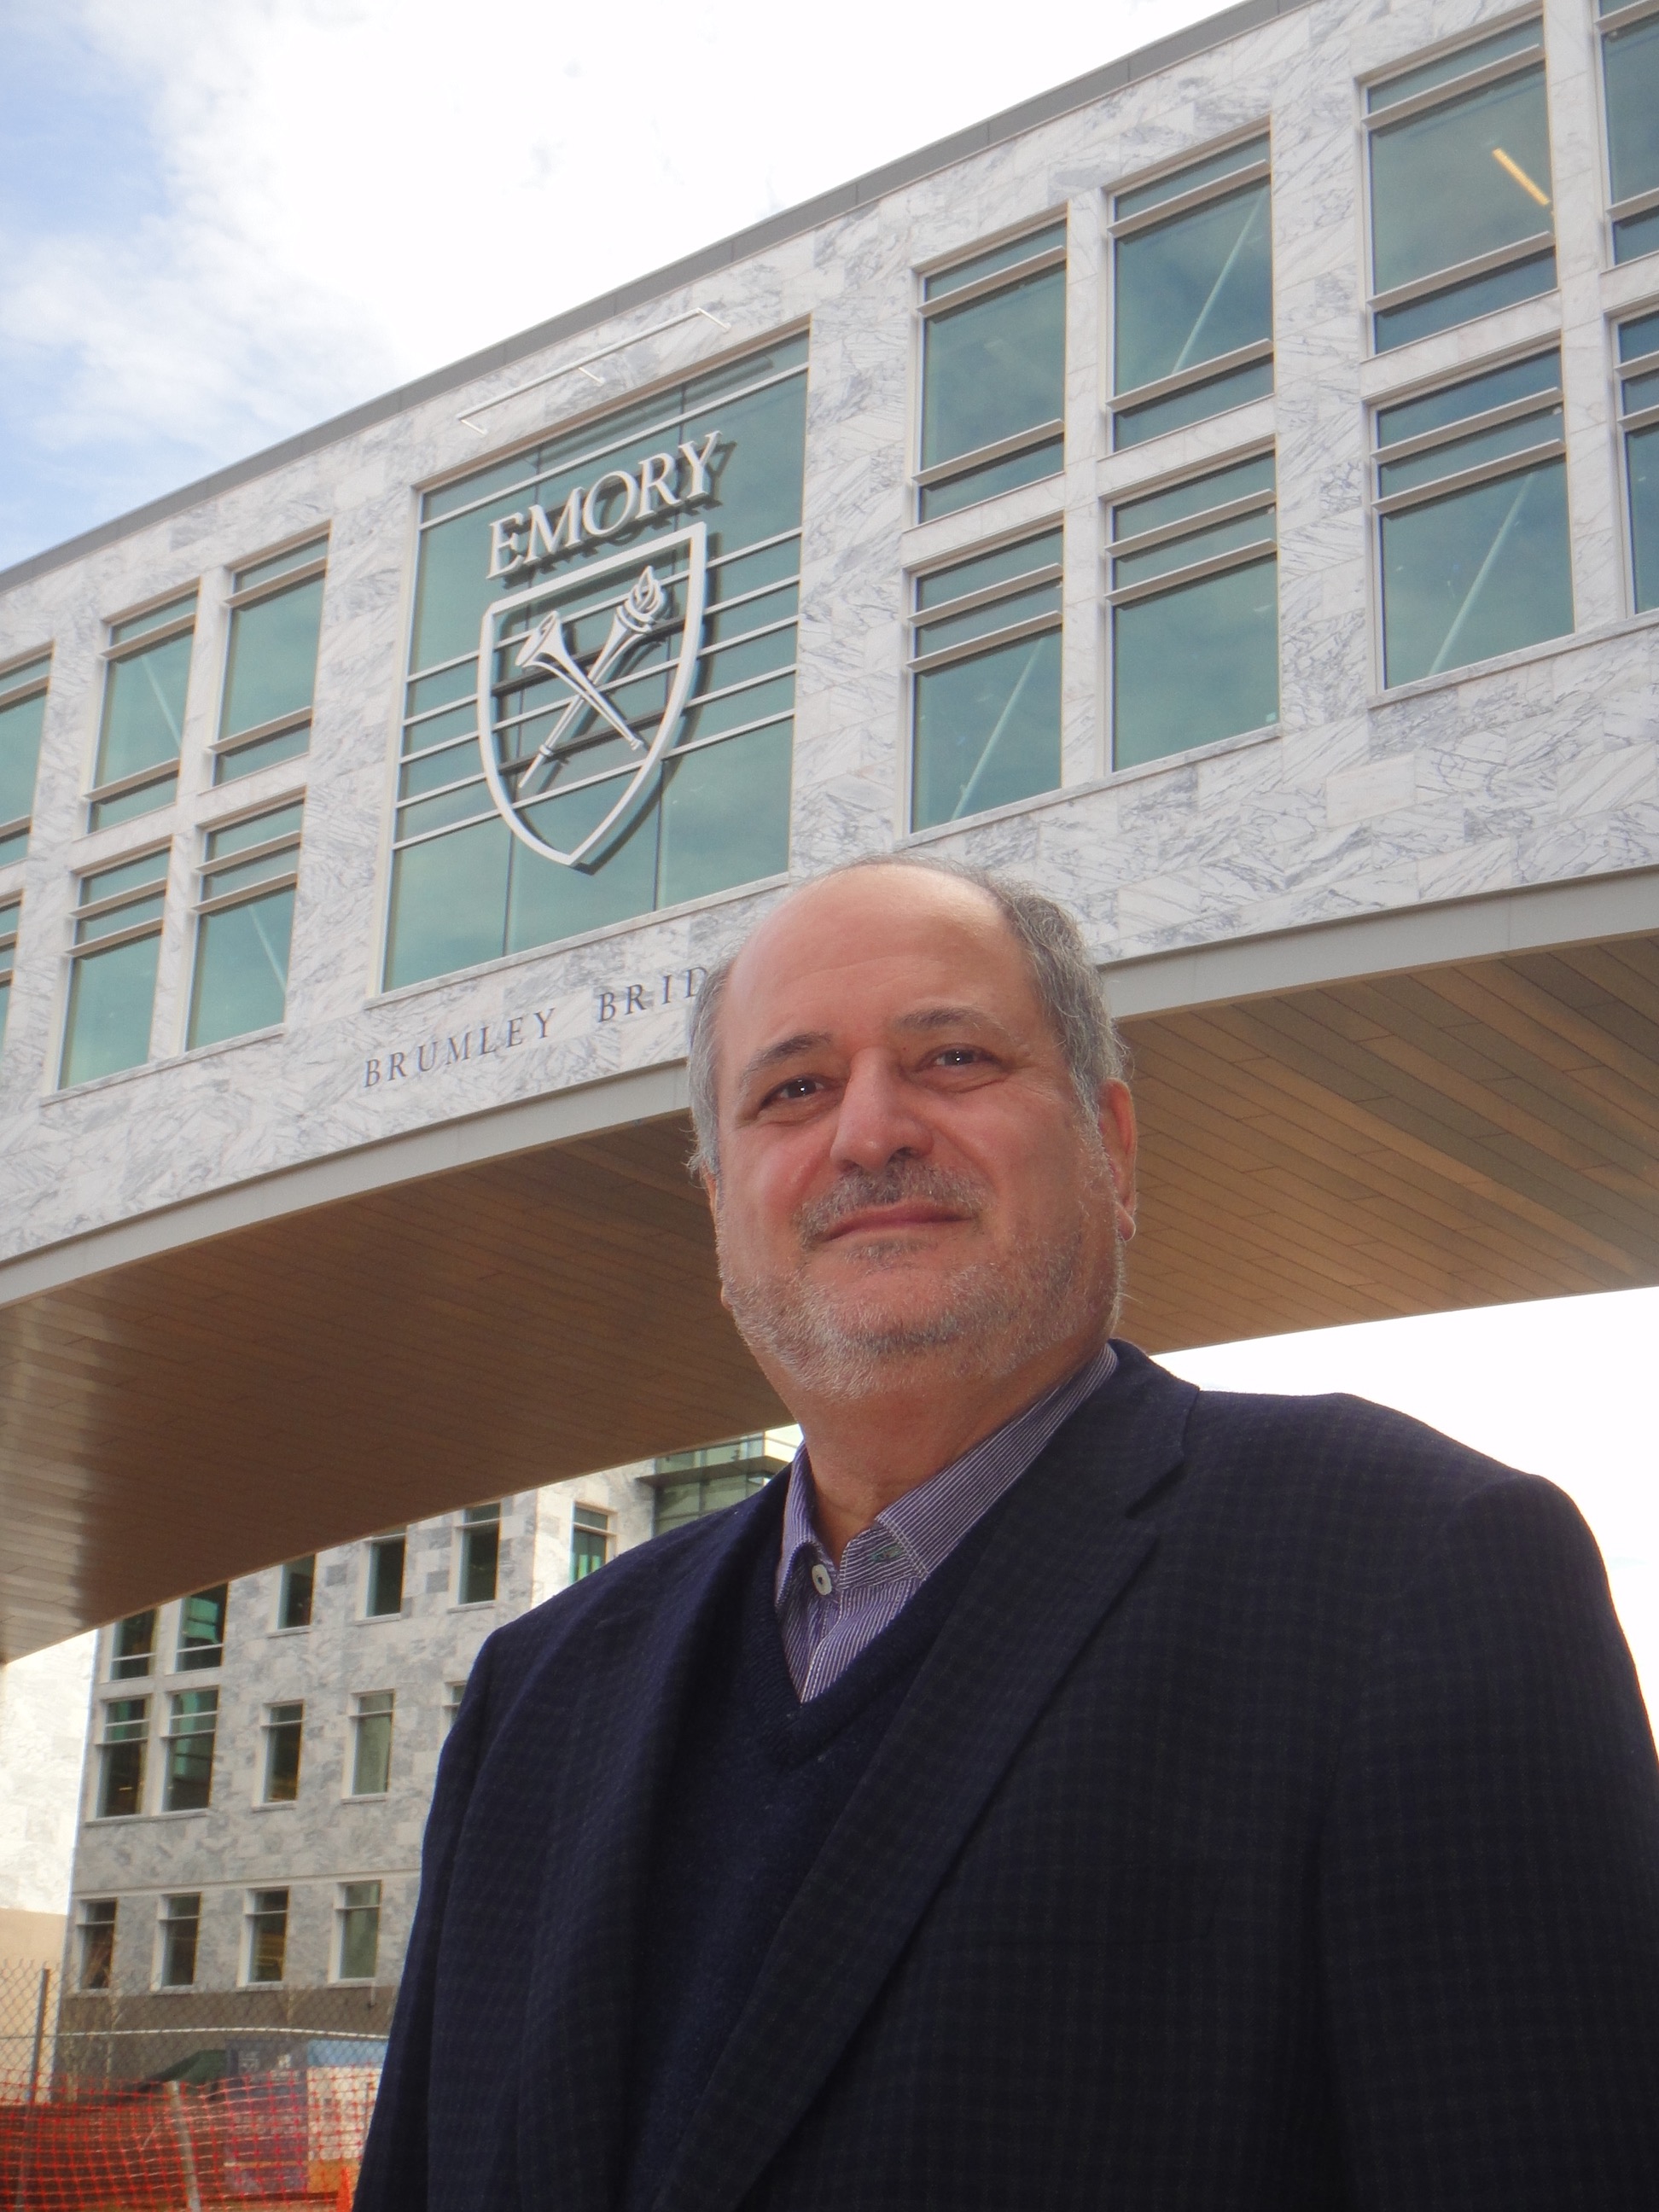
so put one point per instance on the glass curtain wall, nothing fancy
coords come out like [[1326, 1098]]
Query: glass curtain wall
[[23, 713], [117, 945], [464, 888], [1638, 414], [11, 912], [244, 918], [1461, 187], [1630, 72], [1472, 501], [1194, 612], [985, 676], [993, 372], [1192, 294], [270, 661], [141, 732]]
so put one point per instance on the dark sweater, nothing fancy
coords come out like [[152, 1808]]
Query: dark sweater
[[759, 1780]]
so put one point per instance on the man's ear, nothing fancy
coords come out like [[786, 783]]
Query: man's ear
[[1120, 1138], [711, 1191]]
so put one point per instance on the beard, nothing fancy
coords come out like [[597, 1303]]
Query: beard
[[983, 1320]]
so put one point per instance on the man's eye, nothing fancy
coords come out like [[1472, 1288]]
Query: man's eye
[[959, 1055], [788, 1094]]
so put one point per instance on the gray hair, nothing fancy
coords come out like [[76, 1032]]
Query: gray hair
[[1067, 984]]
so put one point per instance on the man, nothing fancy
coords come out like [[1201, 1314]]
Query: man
[[1064, 1789]]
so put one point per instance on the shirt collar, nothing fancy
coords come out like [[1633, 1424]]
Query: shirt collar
[[929, 1521]]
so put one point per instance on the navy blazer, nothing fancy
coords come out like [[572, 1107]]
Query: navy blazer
[[1274, 1823]]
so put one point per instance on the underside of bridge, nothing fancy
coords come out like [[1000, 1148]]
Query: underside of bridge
[[1454, 1133]]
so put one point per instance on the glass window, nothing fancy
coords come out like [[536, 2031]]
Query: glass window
[[192, 1725], [181, 1924], [1193, 309], [244, 917], [122, 1743], [11, 912], [284, 1730], [385, 1593], [111, 992], [985, 676], [23, 713], [95, 1930], [689, 1485], [1630, 65], [725, 448], [266, 1950], [357, 1944], [1471, 486], [1194, 602], [454, 1692], [1460, 186], [295, 1591], [270, 661], [591, 1540], [993, 372], [142, 730], [202, 1628], [371, 1747], [1639, 409], [481, 1545], [132, 1646]]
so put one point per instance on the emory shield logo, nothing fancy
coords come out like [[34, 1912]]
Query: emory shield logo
[[582, 675]]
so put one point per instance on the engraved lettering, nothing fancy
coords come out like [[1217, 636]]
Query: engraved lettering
[[424, 1066], [394, 1067], [464, 1052], [371, 1074], [634, 1003], [607, 1005], [542, 1019], [515, 1031]]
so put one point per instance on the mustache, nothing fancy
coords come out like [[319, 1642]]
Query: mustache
[[898, 1184]]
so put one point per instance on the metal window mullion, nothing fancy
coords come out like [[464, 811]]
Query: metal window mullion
[[211, 902], [1452, 87], [443, 790], [36, 688], [1640, 419], [1235, 180], [726, 644], [15, 827], [139, 779], [925, 663], [161, 635], [1467, 426], [290, 579], [1050, 573], [115, 937], [90, 909], [1463, 272], [1202, 372], [256, 730], [280, 841], [999, 280], [1238, 557], [1620, 211], [1206, 518], [596, 452], [1466, 479], [1639, 364], [1619, 19], [961, 465]]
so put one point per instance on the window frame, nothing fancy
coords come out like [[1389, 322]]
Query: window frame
[[371, 1556], [11, 924], [224, 747], [1634, 203], [1625, 421], [270, 1726], [253, 1913], [120, 1667], [206, 902], [601, 1523], [1119, 403], [81, 947], [101, 1916], [23, 677], [924, 477], [140, 1722], [361, 1711], [175, 1732], [474, 1518], [118, 648], [1449, 89], [344, 1908], [166, 1922], [185, 1660]]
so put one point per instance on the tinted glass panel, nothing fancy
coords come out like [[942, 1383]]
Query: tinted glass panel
[[1476, 395], [298, 557], [1444, 67], [1000, 256], [1461, 303], [20, 751], [263, 752], [1458, 453], [1461, 180], [1195, 664], [121, 633], [988, 730], [299, 1583], [271, 665], [1632, 61], [242, 969], [1193, 287], [998, 567], [1030, 465], [143, 710], [1635, 235], [1642, 463], [725, 815], [110, 999], [106, 813], [994, 368], [1189, 179], [1194, 403], [1481, 572]]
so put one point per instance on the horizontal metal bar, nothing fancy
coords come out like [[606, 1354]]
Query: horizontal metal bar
[[1466, 479], [584, 367], [140, 779], [268, 587], [16, 828], [288, 840], [1235, 180], [1466, 426], [224, 900], [92, 908], [1616, 19], [963, 465], [158, 635], [1640, 419], [1452, 87], [116, 937], [971, 648], [1203, 372], [1027, 580], [36, 688], [1239, 557], [1462, 272], [1204, 517], [1635, 202], [258, 731], [999, 280]]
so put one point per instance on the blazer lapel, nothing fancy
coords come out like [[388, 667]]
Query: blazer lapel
[[1061, 1554], [616, 1724]]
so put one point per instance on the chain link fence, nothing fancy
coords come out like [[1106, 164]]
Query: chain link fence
[[197, 2100]]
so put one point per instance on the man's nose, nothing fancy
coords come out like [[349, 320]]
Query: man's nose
[[878, 1116]]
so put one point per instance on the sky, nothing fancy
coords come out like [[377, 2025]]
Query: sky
[[223, 220]]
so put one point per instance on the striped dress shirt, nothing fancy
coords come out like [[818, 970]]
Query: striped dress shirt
[[828, 1614]]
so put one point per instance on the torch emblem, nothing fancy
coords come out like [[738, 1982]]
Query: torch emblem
[[575, 720]]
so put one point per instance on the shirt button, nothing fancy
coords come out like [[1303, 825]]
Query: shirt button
[[823, 1581]]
